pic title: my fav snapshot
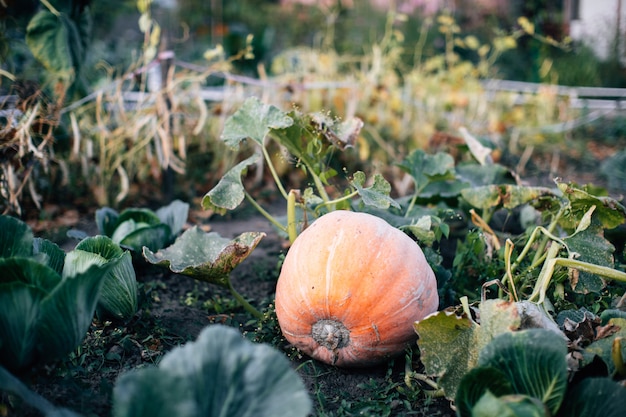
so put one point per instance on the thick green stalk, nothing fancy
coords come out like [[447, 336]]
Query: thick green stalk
[[270, 165], [244, 303], [291, 216], [545, 276], [542, 245], [551, 262], [337, 200], [320, 187], [265, 214]]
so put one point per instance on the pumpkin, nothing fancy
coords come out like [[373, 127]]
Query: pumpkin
[[351, 287]]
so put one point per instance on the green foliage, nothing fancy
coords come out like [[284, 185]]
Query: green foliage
[[118, 296], [138, 227], [59, 38], [525, 373], [311, 139], [47, 307], [208, 257], [220, 373]]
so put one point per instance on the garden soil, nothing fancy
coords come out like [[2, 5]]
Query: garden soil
[[175, 309]]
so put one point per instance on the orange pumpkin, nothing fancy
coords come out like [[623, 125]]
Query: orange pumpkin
[[350, 289]]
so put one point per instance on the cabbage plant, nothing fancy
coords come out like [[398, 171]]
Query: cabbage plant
[[525, 373], [48, 299], [118, 296], [220, 374], [135, 228]]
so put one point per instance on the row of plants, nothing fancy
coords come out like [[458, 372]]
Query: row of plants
[[561, 269], [105, 145], [557, 319]]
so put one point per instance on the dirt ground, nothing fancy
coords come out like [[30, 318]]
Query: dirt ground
[[176, 308], [173, 314]]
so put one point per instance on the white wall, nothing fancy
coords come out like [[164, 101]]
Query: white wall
[[597, 26]]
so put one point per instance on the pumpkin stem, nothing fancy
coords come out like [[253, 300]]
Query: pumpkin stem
[[331, 334], [243, 302]]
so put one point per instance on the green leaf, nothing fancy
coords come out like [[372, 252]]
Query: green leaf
[[229, 191], [205, 256], [79, 261], [220, 374], [107, 220], [139, 216], [377, 194], [253, 120], [450, 343], [609, 314], [174, 215], [127, 227], [609, 212], [153, 237], [507, 196], [591, 247], [445, 343], [54, 254], [509, 406], [476, 383], [16, 238], [58, 43], [479, 175], [425, 168], [427, 229], [67, 312], [594, 397], [118, 296], [24, 283], [533, 361]]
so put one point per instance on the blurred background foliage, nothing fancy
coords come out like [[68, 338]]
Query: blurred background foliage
[[414, 76]]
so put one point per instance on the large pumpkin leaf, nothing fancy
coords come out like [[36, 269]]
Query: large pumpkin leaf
[[220, 374], [445, 343], [425, 168], [205, 256], [533, 361], [507, 195], [590, 246], [253, 120], [594, 397], [229, 191], [450, 343], [609, 212], [479, 175]]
